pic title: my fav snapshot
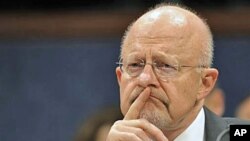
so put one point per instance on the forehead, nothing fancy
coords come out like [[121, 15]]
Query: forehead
[[165, 48], [169, 31], [162, 44]]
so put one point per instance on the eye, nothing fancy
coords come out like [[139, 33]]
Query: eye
[[133, 67], [134, 64], [165, 67]]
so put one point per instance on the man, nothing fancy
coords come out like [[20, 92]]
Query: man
[[215, 101], [164, 76], [243, 109]]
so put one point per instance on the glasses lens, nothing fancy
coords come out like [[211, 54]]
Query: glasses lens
[[165, 70], [134, 66]]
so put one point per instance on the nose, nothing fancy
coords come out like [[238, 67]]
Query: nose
[[148, 77]]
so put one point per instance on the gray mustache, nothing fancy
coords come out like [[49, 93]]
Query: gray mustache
[[138, 90]]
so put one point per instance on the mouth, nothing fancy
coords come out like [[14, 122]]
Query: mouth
[[158, 98], [153, 96]]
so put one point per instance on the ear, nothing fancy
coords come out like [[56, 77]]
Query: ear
[[208, 80], [118, 74]]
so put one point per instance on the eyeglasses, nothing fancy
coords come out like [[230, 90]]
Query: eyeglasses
[[162, 70]]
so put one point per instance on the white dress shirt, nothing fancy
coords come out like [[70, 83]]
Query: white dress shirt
[[195, 131]]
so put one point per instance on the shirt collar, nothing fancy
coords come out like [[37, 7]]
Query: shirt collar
[[195, 131]]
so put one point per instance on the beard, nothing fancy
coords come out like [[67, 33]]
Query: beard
[[154, 116]]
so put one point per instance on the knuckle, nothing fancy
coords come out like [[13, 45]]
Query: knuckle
[[139, 131], [132, 137], [143, 122], [117, 123], [158, 134]]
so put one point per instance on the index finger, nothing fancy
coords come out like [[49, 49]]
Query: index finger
[[138, 104]]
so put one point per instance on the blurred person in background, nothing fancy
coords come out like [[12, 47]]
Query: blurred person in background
[[243, 109], [97, 126], [215, 101]]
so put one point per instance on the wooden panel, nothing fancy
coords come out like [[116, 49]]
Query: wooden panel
[[106, 23]]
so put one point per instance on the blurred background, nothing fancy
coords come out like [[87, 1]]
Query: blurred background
[[57, 60]]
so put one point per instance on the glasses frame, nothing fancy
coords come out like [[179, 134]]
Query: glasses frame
[[178, 68]]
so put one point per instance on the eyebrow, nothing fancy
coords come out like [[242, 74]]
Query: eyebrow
[[163, 55], [136, 54]]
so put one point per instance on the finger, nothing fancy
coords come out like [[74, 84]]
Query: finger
[[154, 131], [132, 90], [126, 136], [137, 131], [115, 135], [135, 93], [148, 127], [118, 132], [138, 104]]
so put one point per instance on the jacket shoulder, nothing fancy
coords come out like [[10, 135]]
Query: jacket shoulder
[[232, 121]]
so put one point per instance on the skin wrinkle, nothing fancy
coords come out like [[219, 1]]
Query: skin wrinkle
[[138, 90], [161, 53], [151, 40], [123, 100]]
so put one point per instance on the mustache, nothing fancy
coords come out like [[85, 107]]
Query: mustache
[[160, 95]]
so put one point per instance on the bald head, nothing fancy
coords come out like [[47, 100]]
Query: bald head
[[165, 23]]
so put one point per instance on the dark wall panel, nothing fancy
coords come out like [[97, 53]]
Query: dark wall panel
[[233, 60], [48, 87]]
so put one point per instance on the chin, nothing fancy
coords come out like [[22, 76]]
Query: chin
[[151, 114]]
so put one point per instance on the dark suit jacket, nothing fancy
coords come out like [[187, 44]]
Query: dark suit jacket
[[214, 125]]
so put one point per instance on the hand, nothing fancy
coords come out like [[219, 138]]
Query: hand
[[133, 129]]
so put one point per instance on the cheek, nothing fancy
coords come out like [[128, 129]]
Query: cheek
[[189, 87], [124, 96], [182, 97], [190, 92]]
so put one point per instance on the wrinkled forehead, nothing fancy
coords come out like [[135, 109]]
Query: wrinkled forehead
[[150, 48], [167, 45], [149, 54]]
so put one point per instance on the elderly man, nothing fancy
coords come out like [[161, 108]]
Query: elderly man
[[164, 75]]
